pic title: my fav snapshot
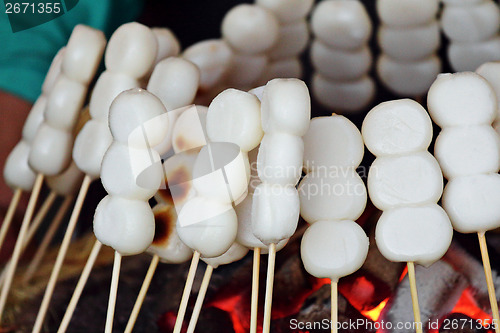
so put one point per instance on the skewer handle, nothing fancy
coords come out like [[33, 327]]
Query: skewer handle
[[414, 296], [200, 299], [61, 254], [269, 289], [112, 293], [79, 287], [19, 243], [49, 235], [489, 280], [142, 294], [32, 229], [255, 290], [187, 291], [39, 217], [335, 308], [10, 215]]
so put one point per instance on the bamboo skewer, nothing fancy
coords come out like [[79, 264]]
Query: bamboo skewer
[[269, 289], [187, 291], [39, 217], [199, 300], [335, 308], [62, 253], [489, 280], [414, 297], [255, 290], [113, 292], [32, 229], [19, 243], [14, 202], [142, 294], [47, 239], [79, 287]]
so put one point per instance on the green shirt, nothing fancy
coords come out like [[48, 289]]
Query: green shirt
[[25, 56]]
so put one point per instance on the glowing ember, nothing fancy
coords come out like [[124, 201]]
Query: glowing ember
[[468, 306], [374, 314]]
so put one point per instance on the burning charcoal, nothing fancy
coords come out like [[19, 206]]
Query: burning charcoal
[[439, 289], [375, 281], [465, 324], [472, 268], [213, 320], [292, 284], [317, 309]]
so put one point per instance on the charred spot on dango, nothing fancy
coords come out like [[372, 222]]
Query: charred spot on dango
[[165, 220], [179, 181]]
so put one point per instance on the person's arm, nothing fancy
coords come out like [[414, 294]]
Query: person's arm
[[26, 56], [12, 117]]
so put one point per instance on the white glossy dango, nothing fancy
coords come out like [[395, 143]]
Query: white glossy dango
[[83, 53], [275, 212], [108, 86], [131, 173], [17, 172], [341, 24], [220, 172], [471, 23], [164, 148], [138, 119], [349, 96], [287, 10], [53, 72], [419, 234], [68, 182], [472, 202], [283, 69], [233, 254], [245, 69], [177, 186], [292, 40], [341, 65], [245, 235], [397, 127], [125, 225], [410, 44], [286, 107], [64, 103], [413, 179], [189, 131], [408, 78], [280, 158], [339, 196], [403, 13], [464, 151], [90, 146], [50, 152], [491, 72], [258, 92], [461, 99], [469, 56], [212, 57], [166, 243], [131, 50], [250, 29], [168, 44], [175, 82], [34, 119], [332, 141], [207, 226], [234, 116], [333, 249]]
